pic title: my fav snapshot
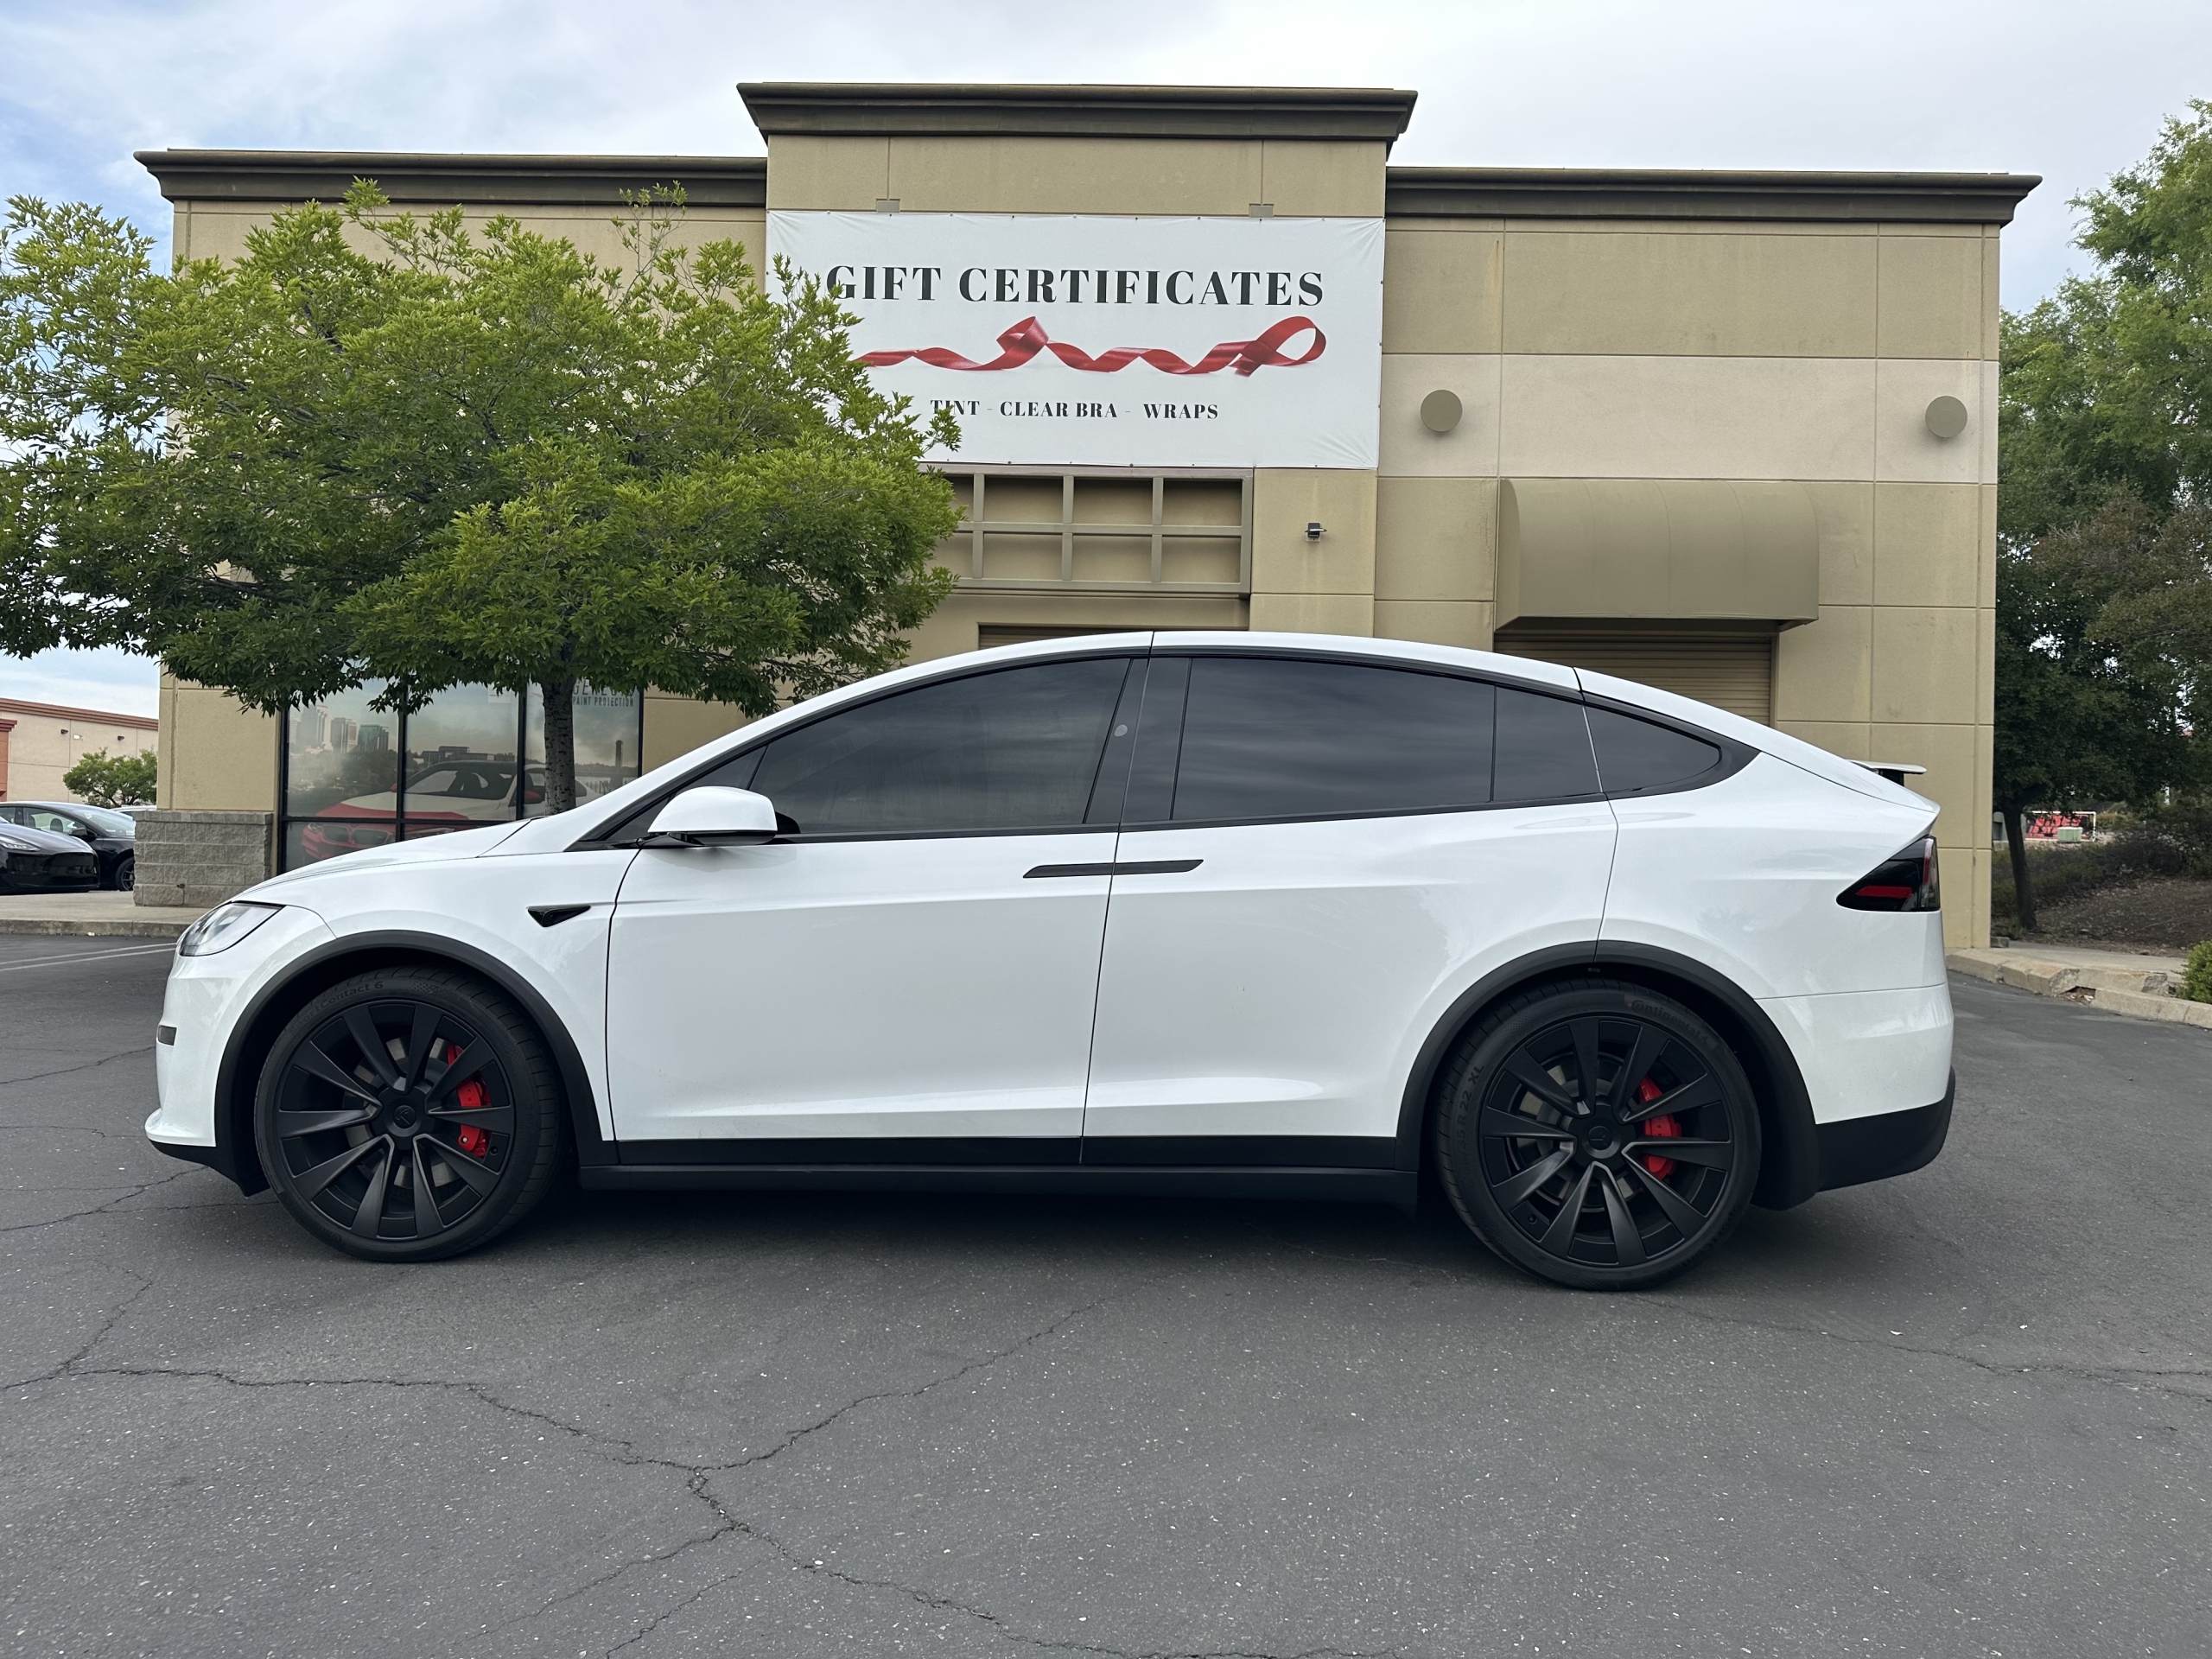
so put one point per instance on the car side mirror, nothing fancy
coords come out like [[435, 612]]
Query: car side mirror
[[713, 815]]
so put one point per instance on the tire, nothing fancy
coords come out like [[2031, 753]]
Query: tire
[[1596, 1133], [126, 874], [350, 1132]]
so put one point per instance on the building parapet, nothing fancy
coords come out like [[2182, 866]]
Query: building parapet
[[296, 175], [1621, 192], [845, 109]]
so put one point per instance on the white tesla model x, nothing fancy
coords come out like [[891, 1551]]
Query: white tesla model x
[[1224, 913]]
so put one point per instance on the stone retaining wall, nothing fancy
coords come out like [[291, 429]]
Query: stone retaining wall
[[202, 858]]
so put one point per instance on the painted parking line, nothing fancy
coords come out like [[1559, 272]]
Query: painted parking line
[[89, 955]]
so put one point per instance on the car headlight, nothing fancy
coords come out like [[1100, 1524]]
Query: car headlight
[[223, 927], [15, 846]]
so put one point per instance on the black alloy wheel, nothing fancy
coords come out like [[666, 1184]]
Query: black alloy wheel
[[126, 873], [408, 1115], [1596, 1134]]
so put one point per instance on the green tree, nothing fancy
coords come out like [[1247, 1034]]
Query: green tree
[[2083, 709], [120, 780], [2104, 606], [2107, 386], [453, 456]]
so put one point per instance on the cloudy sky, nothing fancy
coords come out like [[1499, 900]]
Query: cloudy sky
[[2071, 92]]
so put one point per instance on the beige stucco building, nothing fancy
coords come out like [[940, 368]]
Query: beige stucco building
[[1730, 433], [40, 742]]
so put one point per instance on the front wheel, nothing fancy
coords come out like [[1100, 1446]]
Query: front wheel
[[126, 874], [1596, 1134], [408, 1114]]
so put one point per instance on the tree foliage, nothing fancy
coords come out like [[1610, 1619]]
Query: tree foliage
[[2104, 656], [117, 780], [385, 447], [2107, 386], [2087, 707]]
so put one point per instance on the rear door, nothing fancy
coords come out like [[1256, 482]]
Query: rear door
[[1317, 857]]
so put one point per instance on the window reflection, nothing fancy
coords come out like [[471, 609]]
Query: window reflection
[[355, 776], [341, 759], [461, 760], [607, 744]]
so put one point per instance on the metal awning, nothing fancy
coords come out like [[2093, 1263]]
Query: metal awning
[[1658, 550]]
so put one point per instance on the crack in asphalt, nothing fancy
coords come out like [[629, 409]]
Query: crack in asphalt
[[2126, 1377], [2134, 1378], [69, 1366], [123, 1196], [699, 1476], [86, 1065]]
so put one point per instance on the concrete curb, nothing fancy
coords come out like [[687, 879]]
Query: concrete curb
[[91, 928], [2139, 993]]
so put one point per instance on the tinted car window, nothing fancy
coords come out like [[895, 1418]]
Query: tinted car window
[[1016, 749], [1273, 738], [1635, 754], [1544, 748], [107, 822]]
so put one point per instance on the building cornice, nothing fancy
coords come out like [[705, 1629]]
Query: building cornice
[[291, 175], [842, 108], [1609, 192], [62, 711]]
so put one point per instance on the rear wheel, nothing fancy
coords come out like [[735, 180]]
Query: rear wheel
[[1596, 1134], [408, 1114]]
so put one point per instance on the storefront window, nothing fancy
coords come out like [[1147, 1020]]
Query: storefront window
[[607, 745], [356, 778], [341, 777], [461, 760]]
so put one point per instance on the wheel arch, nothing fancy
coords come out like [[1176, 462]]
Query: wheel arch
[[1789, 1165], [255, 1034]]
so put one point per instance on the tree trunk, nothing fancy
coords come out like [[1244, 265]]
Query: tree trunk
[[560, 744], [2024, 896]]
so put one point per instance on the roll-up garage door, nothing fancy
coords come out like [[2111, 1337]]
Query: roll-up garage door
[[1733, 671]]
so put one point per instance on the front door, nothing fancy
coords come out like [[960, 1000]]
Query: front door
[[909, 974], [1319, 858]]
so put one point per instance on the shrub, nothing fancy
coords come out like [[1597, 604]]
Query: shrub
[[124, 780], [2196, 977]]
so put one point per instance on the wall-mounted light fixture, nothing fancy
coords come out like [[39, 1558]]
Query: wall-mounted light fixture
[[1313, 532], [1440, 411], [1947, 417]]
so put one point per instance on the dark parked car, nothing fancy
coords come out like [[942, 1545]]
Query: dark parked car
[[34, 860], [112, 836]]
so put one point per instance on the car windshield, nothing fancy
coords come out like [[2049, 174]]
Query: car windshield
[[107, 822]]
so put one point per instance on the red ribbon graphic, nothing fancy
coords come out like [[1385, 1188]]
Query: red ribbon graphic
[[1028, 338]]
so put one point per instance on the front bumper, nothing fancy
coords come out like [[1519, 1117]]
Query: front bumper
[[206, 998]]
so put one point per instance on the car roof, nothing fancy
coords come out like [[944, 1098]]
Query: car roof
[[67, 806]]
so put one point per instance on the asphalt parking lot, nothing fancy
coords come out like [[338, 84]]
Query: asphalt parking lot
[[1969, 1411]]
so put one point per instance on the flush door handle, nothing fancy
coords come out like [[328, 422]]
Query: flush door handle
[[1142, 866]]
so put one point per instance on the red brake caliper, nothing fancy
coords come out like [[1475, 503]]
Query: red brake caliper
[[472, 1096], [1658, 1163]]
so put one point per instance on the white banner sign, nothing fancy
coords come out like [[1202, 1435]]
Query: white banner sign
[[1079, 340]]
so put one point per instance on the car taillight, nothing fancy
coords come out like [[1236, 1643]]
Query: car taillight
[[1906, 880]]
